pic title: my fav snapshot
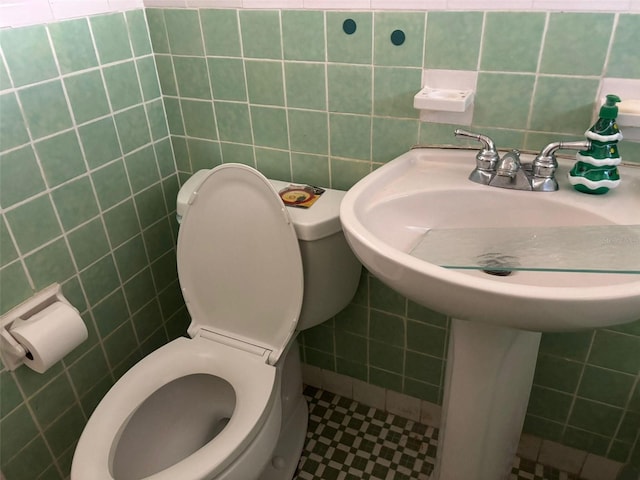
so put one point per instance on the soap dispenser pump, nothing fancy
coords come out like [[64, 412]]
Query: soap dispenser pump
[[596, 171]]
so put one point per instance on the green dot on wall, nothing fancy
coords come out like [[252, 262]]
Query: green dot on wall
[[349, 26], [397, 37]]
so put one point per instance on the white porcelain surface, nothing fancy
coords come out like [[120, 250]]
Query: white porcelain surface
[[387, 212], [257, 403]]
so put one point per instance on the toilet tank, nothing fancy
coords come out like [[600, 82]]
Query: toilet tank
[[331, 270]]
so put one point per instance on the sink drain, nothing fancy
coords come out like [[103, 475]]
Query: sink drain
[[498, 273], [497, 264]]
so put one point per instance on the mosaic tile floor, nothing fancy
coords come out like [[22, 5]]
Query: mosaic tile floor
[[350, 441]]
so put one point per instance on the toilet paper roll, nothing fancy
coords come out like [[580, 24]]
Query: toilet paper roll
[[49, 335]]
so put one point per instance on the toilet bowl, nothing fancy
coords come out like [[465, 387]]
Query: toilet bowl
[[226, 403]]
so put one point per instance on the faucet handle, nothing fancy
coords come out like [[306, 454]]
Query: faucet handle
[[486, 158]]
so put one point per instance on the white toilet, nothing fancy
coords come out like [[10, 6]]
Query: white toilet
[[227, 403]]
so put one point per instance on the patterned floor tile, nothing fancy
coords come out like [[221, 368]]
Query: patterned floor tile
[[350, 441]]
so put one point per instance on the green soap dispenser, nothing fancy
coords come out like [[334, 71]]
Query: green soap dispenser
[[596, 171]]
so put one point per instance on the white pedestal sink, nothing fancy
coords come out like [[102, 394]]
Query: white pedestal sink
[[497, 320]]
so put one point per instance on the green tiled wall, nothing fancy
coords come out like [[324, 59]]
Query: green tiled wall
[[87, 195], [88, 183], [291, 94]]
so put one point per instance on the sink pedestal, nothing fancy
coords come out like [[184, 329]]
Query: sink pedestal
[[487, 385]]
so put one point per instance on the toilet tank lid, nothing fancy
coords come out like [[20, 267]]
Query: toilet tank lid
[[319, 221]]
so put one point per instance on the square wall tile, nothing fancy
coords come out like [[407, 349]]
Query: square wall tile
[[150, 205], [392, 137], [388, 328], [131, 258], [111, 184], [350, 136], [270, 127], [133, 128], [157, 120], [50, 264], [61, 158], [441, 51], [183, 30], [576, 43], [148, 78], [157, 30], [174, 116], [111, 37], [424, 368], [236, 126], [13, 132], [265, 82], [273, 163], [87, 96], [595, 417], [192, 77], [260, 34], [123, 85], [393, 91], [166, 75], [308, 131], [305, 85], [100, 142], [100, 279], [121, 222], [563, 104], [233, 152], [88, 243], [616, 351], [73, 45], [399, 39], [605, 386], [33, 223], [549, 404], [138, 32], [350, 88], [32, 42], [557, 373], [203, 154], [221, 32], [75, 202], [198, 119], [142, 169], [350, 37], [20, 177], [310, 169], [624, 60], [426, 338], [502, 100], [14, 286], [303, 35], [512, 41], [227, 78], [45, 108], [346, 173]]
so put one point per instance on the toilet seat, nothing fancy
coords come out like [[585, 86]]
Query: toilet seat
[[253, 382], [240, 270]]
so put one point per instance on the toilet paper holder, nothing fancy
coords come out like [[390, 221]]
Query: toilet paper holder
[[12, 352]]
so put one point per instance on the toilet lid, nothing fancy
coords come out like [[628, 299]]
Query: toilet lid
[[239, 262]]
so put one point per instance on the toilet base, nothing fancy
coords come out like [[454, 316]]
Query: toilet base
[[289, 447]]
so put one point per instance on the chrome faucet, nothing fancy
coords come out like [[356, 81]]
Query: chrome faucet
[[509, 172], [544, 166], [486, 159]]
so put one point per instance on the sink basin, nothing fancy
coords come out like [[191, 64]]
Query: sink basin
[[496, 320], [388, 212]]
